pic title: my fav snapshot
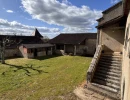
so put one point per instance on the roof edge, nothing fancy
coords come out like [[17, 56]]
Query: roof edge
[[112, 7]]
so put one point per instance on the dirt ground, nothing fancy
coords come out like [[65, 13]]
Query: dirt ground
[[84, 94]]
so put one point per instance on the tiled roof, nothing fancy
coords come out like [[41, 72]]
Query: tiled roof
[[72, 38], [37, 45], [36, 33], [23, 39]]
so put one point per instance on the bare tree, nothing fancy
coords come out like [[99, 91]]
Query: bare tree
[[4, 43], [46, 39]]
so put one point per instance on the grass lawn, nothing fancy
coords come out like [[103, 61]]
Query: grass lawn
[[46, 78]]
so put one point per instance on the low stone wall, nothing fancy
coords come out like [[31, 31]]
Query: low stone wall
[[59, 52], [43, 53], [30, 55], [12, 53]]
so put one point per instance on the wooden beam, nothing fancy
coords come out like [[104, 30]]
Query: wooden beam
[[75, 49], [64, 48], [51, 50]]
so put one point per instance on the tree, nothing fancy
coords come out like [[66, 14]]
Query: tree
[[5, 42], [46, 39]]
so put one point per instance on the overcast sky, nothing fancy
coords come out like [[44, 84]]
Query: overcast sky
[[51, 17]]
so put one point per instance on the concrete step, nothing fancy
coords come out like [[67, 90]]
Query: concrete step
[[107, 76], [109, 69], [116, 82], [105, 91], [105, 83], [108, 73]]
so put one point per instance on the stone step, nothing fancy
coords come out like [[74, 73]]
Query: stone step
[[105, 91], [107, 63], [105, 83], [107, 76], [112, 57], [108, 73], [109, 69], [113, 54], [111, 61], [116, 82]]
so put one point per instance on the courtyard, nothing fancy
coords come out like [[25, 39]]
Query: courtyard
[[44, 78]]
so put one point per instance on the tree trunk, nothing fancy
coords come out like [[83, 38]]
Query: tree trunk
[[2, 58], [3, 55]]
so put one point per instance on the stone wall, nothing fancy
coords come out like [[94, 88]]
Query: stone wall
[[111, 14], [42, 53], [23, 52], [91, 46], [112, 37], [60, 52], [12, 53], [87, 49], [30, 55], [69, 48]]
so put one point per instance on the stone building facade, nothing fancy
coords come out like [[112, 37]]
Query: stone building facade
[[110, 67], [75, 44], [28, 46]]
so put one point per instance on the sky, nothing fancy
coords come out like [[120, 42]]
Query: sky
[[51, 17]]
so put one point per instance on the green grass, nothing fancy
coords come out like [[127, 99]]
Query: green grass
[[51, 77]]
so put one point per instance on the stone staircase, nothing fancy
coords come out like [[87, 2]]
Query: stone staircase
[[107, 77]]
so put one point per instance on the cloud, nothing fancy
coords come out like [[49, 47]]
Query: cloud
[[9, 11], [7, 27], [114, 1], [63, 14]]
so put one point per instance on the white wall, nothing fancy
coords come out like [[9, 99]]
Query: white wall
[[126, 64]]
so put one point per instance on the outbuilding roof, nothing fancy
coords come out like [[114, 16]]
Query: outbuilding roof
[[37, 45], [72, 38]]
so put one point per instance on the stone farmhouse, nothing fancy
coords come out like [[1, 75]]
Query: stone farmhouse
[[109, 71], [28, 47], [75, 43]]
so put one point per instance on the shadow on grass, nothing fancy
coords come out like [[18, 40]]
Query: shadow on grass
[[27, 69], [47, 57]]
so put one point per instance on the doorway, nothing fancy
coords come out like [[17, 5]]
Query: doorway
[[35, 52]]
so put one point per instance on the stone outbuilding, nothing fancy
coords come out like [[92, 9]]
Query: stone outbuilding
[[35, 50], [75, 43], [27, 46]]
